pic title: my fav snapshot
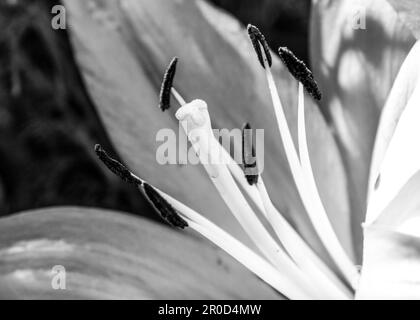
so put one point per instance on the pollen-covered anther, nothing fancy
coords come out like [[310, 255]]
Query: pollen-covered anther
[[115, 167], [248, 155], [165, 210], [300, 71], [258, 41], [165, 89]]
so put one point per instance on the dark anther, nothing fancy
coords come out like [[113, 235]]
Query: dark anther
[[116, 167], [165, 210], [248, 155], [300, 71], [165, 89], [258, 40]]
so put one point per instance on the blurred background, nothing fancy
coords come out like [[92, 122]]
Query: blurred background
[[48, 124]]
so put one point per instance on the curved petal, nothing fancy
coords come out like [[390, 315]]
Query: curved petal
[[401, 155], [391, 252], [123, 48], [110, 255], [356, 68], [391, 263], [404, 95], [403, 213]]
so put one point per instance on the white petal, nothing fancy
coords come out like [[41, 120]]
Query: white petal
[[403, 213], [402, 157], [391, 265]]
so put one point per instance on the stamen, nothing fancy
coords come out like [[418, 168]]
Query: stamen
[[239, 176], [320, 220], [116, 167], [165, 89], [234, 168], [323, 273], [300, 252], [248, 155], [281, 280], [178, 97], [300, 71], [258, 42], [165, 210], [289, 238], [310, 197], [303, 143], [253, 262], [159, 199], [194, 116]]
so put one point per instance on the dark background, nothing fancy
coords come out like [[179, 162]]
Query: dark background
[[48, 124]]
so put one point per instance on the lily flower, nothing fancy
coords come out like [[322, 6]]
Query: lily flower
[[292, 225]]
